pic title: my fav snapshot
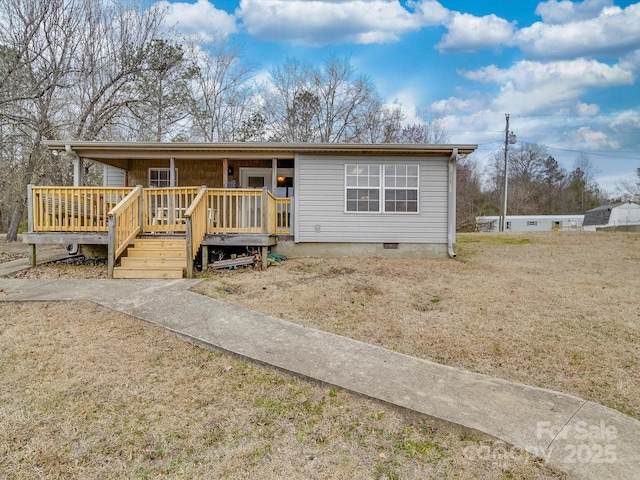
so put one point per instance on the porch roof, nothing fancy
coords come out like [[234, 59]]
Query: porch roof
[[105, 151]]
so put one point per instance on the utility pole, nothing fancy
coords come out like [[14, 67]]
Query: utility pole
[[509, 138]]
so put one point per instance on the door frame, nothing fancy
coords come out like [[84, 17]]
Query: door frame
[[246, 172]]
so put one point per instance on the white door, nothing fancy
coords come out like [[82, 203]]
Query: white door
[[256, 178]]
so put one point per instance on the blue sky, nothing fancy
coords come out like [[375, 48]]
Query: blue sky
[[566, 72]]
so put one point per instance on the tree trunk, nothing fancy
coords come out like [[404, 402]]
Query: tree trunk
[[16, 218]]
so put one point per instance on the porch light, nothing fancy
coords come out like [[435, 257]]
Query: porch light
[[281, 178]]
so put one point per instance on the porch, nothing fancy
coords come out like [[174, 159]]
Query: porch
[[118, 216]]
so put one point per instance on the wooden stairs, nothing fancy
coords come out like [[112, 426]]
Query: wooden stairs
[[164, 257]]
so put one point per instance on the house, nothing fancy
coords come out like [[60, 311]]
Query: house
[[624, 214], [165, 202], [530, 223]]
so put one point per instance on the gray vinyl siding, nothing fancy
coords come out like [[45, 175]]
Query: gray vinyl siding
[[114, 177], [320, 204]]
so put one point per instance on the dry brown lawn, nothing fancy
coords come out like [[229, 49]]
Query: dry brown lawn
[[91, 393], [554, 310]]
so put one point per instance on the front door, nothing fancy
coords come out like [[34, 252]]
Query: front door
[[256, 178]]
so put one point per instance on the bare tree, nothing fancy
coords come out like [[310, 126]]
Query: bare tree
[[630, 189], [114, 41], [66, 69], [327, 104], [223, 96], [286, 82], [42, 34], [343, 100], [470, 200]]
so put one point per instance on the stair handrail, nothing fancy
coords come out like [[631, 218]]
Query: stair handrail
[[124, 221], [196, 226]]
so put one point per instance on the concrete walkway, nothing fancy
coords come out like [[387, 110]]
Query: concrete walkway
[[585, 439]]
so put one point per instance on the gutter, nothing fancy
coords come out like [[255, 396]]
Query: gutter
[[451, 204]]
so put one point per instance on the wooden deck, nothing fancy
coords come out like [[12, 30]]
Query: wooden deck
[[117, 216]]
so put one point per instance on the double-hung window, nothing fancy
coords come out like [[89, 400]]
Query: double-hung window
[[363, 188], [381, 188], [401, 188]]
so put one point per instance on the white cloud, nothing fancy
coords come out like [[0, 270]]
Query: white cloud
[[533, 86], [452, 105], [613, 32], [200, 19], [565, 11], [586, 109], [590, 139], [579, 72], [320, 22], [432, 12], [468, 33]]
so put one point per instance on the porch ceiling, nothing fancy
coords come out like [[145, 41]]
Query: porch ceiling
[[113, 151]]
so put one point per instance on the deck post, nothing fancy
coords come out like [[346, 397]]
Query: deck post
[[32, 247], [111, 252], [265, 256], [189, 229], [141, 209], [30, 207], [32, 254], [205, 257], [265, 210]]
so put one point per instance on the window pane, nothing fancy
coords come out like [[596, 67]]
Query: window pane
[[389, 170], [352, 194], [412, 170], [352, 181], [374, 181], [374, 194], [401, 182], [352, 205], [412, 182], [390, 206], [412, 206], [374, 206], [412, 195], [401, 170]]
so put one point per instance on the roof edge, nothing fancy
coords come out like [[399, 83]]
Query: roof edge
[[294, 147]]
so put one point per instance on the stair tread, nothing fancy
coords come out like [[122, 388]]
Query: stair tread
[[153, 258]]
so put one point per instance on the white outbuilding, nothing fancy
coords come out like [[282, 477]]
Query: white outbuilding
[[615, 215], [530, 223]]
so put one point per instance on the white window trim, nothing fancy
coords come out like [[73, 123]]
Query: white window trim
[[356, 187], [382, 188], [161, 169], [416, 188]]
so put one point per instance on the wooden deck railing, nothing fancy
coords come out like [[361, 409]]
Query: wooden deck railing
[[72, 209], [227, 211], [124, 226], [196, 227], [235, 210], [164, 208], [283, 212]]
